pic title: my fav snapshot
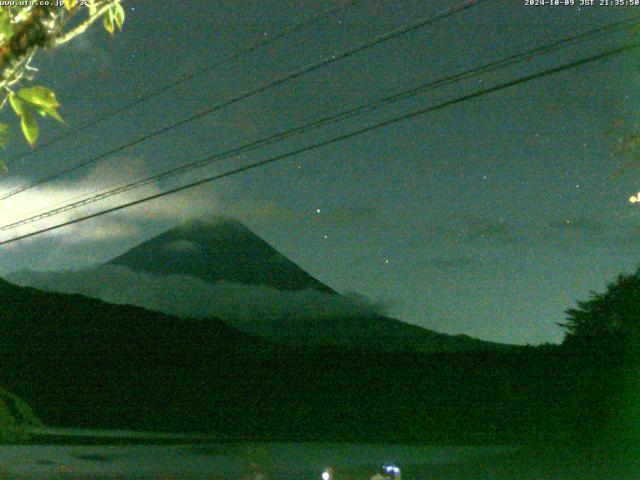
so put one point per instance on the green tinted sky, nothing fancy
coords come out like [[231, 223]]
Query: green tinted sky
[[487, 218]]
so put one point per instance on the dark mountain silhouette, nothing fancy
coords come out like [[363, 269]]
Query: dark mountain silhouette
[[81, 362], [78, 361], [371, 332], [224, 249], [218, 248]]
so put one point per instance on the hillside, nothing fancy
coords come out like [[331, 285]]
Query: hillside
[[80, 362], [222, 249], [83, 362]]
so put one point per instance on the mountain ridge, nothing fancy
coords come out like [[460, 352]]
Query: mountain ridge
[[80, 362], [218, 248], [224, 237]]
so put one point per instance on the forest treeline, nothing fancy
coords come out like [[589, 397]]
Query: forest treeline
[[80, 362]]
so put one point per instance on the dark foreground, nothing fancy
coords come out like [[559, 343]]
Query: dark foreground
[[300, 461]]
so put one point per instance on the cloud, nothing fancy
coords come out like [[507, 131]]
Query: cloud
[[473, 229], [117, 169], [187, 296], [128, 223], [597, 232], [476, 228], [269, 212], [583, 225], [454, 263], [85, 47], [629, 235]]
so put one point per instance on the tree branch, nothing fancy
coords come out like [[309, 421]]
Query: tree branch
[[80, 29], [31, 33]]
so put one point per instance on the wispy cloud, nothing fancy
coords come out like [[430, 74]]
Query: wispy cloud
[[126, 223], [485, 229], [581, 225], [453, 263], [187, 296]]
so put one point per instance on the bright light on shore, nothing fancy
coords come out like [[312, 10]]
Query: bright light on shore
[[392, 469]]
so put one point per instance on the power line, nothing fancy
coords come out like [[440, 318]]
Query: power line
[[190, 76], [315, 146], [107, 192], [282, 80]]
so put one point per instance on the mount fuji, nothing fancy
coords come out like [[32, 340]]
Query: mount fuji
[[216, 267], [223, 249]]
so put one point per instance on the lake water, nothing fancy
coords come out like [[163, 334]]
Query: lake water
[[227, 460], [302, 461]]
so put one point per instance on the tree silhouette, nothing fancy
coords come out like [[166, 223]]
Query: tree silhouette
[[603, 336], [607, 319]]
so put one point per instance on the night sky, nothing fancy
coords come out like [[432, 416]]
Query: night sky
[[489, 218]]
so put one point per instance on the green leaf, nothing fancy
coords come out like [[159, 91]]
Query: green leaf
[[19, 106], [52, 112], [19, 13], [6, 29], [3, 167], [30, 127], [42, 99], [107, 21], [40, 96], [118, 15]]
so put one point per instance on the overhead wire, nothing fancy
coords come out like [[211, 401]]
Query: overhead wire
[[340, 138], [368, 107], [421, 23], [190, 76]]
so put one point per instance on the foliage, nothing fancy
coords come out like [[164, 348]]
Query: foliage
[[624, 142], [26, 29], [611, 318], [606, 329], [15, 418]]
